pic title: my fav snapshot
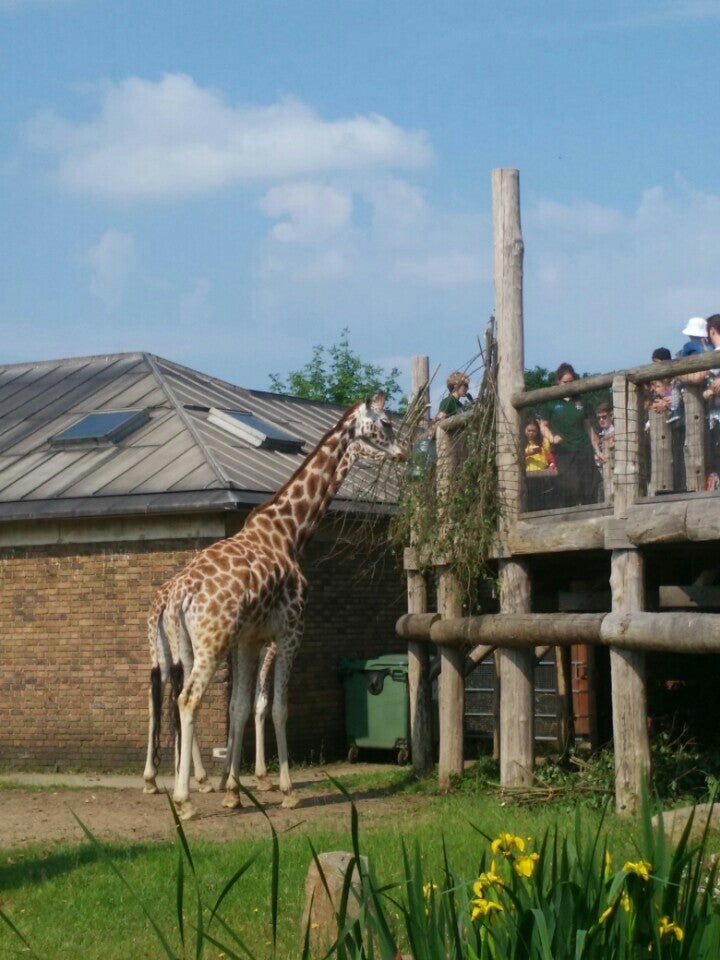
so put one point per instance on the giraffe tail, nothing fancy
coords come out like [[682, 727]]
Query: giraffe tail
[[156, 686]]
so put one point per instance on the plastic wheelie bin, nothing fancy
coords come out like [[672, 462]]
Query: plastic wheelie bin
[[377, 710]]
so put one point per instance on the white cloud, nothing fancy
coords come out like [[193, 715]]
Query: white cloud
[[662, 14], [315, 211], [329, 265], [152, 140], [609, 297], [440, 269], [111, 260], [581, 219]]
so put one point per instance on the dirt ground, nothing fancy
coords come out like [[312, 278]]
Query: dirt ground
[[40, 811]]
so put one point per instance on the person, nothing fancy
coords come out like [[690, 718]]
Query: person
[[660, 355], [457, 385], [567, 424], [711, 394], [538, 455], [696, 330], [606, 425]]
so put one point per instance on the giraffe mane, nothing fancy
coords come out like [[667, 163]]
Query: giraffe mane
[[321, 443]]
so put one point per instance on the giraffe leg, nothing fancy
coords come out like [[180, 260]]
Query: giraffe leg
[[187, 704], [283, 665], [243, 662], [154, 708], [262, 700], [201, 777]]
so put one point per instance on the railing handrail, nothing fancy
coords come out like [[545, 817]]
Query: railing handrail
[[649, 371]]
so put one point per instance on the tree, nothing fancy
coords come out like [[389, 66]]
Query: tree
[[537, 377], [337, 375]]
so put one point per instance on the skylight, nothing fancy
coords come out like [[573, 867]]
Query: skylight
[[107, 427], [258, 433]]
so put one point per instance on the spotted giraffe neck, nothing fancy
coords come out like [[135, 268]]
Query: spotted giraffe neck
[[300, 504]]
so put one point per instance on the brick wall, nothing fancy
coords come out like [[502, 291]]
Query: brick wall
[[74, 655]]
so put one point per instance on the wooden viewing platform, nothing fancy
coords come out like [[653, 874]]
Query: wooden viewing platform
[[641, 512]]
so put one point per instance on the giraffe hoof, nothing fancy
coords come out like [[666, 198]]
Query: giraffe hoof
[[151, 788], [231, 801], [204, 786], [290, 801], [264, 784], [185, 810]]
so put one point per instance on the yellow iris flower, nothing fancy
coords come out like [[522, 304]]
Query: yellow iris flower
[[642, 868], [668, 927], [484, 908], [506, 843], [491, 877], [525, 866]]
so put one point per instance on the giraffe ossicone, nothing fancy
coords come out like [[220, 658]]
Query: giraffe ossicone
[[245, 596]]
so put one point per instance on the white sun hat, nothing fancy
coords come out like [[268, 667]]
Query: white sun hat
[[696, 327]]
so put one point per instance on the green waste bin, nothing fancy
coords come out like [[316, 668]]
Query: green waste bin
[[377, 710]]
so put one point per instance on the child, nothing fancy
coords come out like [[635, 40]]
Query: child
[[538, 455]]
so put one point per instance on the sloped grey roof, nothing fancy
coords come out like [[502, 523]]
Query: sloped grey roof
[[176, 462]]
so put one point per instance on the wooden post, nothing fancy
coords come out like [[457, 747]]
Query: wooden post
[[661, 454], [608, 469], [451, 694], [627, 668], [694, 405], [517, 706], [565, 718], [451, 685], [517, 690], [419, 686]]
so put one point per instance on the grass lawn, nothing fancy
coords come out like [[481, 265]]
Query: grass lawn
[[70, 904]]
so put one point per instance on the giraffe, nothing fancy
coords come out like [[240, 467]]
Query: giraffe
[[168, 665], [359, 449], [241, 594]]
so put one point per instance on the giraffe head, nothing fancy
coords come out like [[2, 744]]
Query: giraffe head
[[374, 432]]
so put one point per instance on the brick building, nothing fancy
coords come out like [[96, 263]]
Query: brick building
[[113, 471]]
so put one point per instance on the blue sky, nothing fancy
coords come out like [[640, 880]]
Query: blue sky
[[227, 184]]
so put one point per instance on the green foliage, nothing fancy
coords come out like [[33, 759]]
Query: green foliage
[[338, 375], [538, 377], [561, 893], [455, 521]]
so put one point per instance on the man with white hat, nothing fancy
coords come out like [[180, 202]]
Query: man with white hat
[[696, 329]]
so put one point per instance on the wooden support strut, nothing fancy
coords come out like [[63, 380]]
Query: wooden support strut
[[680, 632]]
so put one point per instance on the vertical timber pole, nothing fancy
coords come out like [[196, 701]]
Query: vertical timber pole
[[627, 583], [451, 684], [421, 746], [517, 707]]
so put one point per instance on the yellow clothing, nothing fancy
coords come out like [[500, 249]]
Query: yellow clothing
[[538, 456]]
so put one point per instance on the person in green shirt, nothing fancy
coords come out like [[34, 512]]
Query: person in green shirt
[[567, 424], [457, 385]]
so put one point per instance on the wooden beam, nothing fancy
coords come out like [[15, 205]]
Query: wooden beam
[[556, 534], [679, 632], [518, 630], [415, 626], [649, 371]]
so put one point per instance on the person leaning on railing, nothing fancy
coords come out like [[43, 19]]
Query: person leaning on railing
[[457, 385], [711, 394], [567, 424]]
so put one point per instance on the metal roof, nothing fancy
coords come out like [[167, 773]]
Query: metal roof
[[175, 461]]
